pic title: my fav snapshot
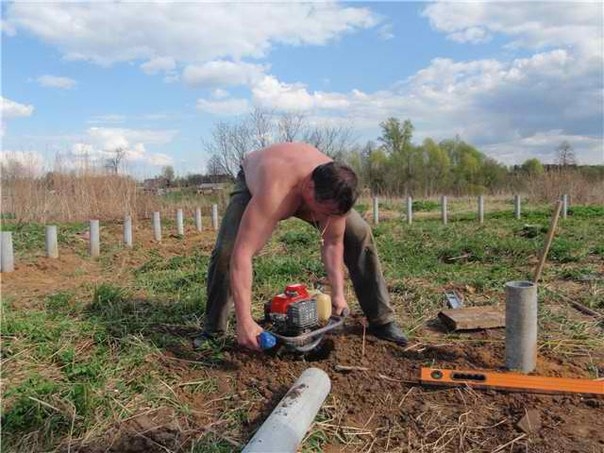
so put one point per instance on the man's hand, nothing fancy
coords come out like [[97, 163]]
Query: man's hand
[[338, 305], [247, 334]]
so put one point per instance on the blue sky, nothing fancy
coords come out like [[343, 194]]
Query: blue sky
[[79, 79]]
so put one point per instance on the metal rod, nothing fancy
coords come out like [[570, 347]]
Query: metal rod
[[409, 210], [548, 241]]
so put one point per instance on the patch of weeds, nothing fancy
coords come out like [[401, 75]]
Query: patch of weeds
[[108, 294], [212, 443], [586, 211], [565, 251], [33, 406], [425, 205], [60, 302], [299, 238]]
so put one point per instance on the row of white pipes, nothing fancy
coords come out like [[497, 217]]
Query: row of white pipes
[[52, 250], [7, 263], [444, 210]]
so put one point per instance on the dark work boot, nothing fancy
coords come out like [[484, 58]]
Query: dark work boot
[[389, 332]]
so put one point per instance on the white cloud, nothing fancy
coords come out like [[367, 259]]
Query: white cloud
[[222, 73], [219, 93], [224, 107], [159, 64], [543, 145], [189, 32], [272, 94], [111, 118], [534, 25], [101, 142], [385, 32], [50, 81], [12, 109]]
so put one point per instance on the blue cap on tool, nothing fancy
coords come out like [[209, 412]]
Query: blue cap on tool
[[267, 340]]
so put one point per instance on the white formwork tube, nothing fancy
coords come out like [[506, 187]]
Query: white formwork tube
[[156, 226], [94, 245], [521, 326], [376, 211], [517, 206], [287, 425], [128, 231], [52, 247], [198, 225], [7, 262], [564, 206], [443, 205], [180, 227], [215, 217], [481, 208], [409, 210]]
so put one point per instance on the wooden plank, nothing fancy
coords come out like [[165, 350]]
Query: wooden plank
[[510, 381], [469, 318]]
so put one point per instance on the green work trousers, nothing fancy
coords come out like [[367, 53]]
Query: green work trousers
[[360, 257]]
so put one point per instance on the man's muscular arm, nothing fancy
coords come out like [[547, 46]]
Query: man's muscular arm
[[332, 254], [257, 224]]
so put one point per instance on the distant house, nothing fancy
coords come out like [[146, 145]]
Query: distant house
[[213, 183], [156, 185]]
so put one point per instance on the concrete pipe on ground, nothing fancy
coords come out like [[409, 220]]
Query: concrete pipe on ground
[[287, 425]]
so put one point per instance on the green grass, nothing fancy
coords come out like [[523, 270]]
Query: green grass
[[83, 360]]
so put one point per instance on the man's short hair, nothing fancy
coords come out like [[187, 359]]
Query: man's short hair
[[336, 182]]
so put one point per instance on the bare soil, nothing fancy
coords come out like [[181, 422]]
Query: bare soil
[[383, 407]]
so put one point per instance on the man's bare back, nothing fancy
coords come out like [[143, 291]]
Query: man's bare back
[[264, 170]]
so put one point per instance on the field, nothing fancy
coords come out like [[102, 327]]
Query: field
[[97, 356]]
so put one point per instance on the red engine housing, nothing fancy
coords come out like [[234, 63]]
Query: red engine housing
[[293, 293]]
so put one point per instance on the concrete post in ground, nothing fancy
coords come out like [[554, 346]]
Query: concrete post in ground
[[94, 244], [52, 247], [215, 217], [156, 226], [517, 203], [128, 231], [521, 326], [481, 208], [7, 262], [286, 426], [409, 210], [376, 211], [180, 227], [198, 225], [443, 206], [564, 206]]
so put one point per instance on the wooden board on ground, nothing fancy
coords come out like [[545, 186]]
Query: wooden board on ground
[[470, 318]]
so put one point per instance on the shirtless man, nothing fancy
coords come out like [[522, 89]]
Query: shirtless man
[[294, 180]]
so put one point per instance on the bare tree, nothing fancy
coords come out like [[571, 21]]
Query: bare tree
[[290, 125], [260, 125], [112, 164], [331, 140], [230, 143], [565, 155]]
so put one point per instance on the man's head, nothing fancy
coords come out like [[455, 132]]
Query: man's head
[[336, 184]]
